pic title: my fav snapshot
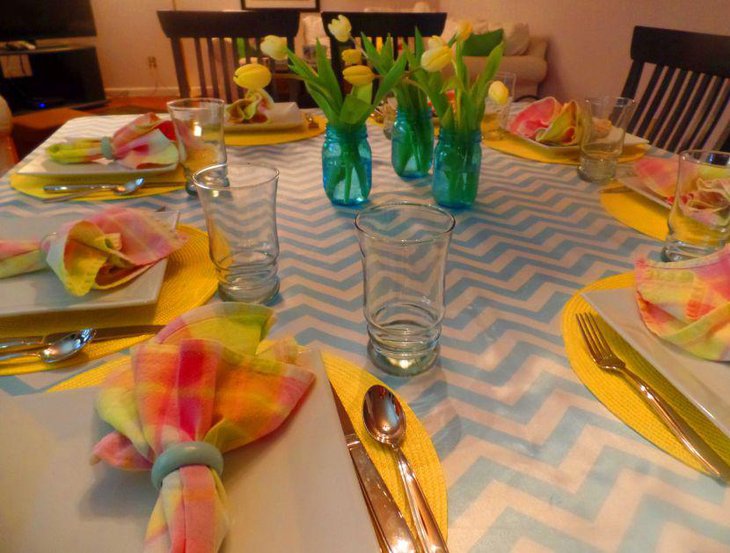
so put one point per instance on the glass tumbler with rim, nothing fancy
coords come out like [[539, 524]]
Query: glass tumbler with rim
[[198, 124], [699, 220], [239, 204], [404, 248]]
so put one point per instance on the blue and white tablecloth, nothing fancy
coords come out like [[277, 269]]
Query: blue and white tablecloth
[[533, 461]]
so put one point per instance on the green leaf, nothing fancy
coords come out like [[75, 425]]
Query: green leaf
[[327, 75], [354, 111], [381, 63], [480, 88], [418, 44], [390, 79], [364, 92], [387, 49]]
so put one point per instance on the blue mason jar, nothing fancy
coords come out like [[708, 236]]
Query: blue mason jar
[[457, 163], [412, 143], [347, 165]]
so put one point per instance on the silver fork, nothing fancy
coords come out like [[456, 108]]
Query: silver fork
[[605, 358]]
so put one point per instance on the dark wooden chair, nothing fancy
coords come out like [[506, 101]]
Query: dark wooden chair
[[220, 41], [684, 102], [400, 25]]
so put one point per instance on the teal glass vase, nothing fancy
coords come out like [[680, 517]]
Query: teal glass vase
[[412, 143], [456, 168], [347, 165]]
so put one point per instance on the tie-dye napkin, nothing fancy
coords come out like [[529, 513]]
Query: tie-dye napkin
[[548, 121], [200, 379], [99, 252], [688, 302], [658, 175], [146, 142]]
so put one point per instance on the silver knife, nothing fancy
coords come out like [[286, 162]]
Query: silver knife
[[111, 333], [390, 525], [101, 186]]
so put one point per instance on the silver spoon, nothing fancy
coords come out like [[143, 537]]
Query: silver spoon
[[61, 349], [124, 189], [386, 422]]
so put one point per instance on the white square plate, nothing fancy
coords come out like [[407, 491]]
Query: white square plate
[[635, 183], [293, 491], [629, 140], [42, 292], [705, 383], [40, 164], [284, 115]]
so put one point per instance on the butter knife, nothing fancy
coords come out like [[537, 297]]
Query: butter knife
[[102, 185], [393, 532], [111, 333]]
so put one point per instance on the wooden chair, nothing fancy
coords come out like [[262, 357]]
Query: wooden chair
[[685, 102], [400, 25], [221, 40]]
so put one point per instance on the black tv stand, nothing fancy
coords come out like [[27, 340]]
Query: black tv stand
[[60, 76]]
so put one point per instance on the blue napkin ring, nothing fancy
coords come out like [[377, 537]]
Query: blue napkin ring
[[184, 454], [106, 148]]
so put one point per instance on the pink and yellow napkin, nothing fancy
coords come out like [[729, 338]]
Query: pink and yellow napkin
[[198, 381], [688, 303], [548, 121], [146, 142], [658, 175], [99, 252]]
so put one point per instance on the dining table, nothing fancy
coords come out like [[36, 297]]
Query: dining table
[[532, 460]]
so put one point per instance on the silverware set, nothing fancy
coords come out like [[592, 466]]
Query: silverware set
[[71, 191], [602, 354]]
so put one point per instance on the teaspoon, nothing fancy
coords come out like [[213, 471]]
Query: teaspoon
[[123, 189], [386, 422], [61, 349]]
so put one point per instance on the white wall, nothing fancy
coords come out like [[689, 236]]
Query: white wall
[[589, 40], [588, 49]]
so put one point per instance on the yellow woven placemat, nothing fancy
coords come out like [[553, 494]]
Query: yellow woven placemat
[[510, 144], [351, 383], [190, 281], [619, 397], [264, 138], [635, 211], [33, 185]]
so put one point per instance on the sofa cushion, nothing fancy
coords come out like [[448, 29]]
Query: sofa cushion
[[516, 35]]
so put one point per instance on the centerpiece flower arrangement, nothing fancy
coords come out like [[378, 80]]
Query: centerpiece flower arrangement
[[346, 154], [459, 104]]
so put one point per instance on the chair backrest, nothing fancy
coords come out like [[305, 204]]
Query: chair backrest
[[221, 40], [400, 25], [686, 100]]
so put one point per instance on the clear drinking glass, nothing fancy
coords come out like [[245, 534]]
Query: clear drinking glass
[[496, 116], [404, 248], [198, 124], [603, 121], [239, 203], [699, 221]]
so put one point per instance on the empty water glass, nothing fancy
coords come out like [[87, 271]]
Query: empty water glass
[[239, 203], [198, 124], [404, 248]]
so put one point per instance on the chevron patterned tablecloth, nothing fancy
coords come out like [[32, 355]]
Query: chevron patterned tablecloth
[[533, 461]]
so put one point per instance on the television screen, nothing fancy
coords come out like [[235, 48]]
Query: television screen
[[34, 19]]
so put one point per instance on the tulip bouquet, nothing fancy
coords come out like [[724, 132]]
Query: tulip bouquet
[[346, 155], [459, 103]]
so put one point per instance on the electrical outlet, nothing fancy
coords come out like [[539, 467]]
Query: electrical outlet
[[152, 62]]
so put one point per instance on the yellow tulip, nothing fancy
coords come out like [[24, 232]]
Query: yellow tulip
[[498, 93], [352, 56], [436, 42], [435, 59], [358, 75], [464, 30], [252, 76], [340, 28], [275, 47]]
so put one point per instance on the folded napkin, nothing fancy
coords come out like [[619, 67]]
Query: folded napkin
[[146, 142], [688, 302], [99, 252], [658, 174], [254, 107], [548, 121], [199, 380]]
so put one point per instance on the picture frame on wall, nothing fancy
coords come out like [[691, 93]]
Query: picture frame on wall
[[301, 5]]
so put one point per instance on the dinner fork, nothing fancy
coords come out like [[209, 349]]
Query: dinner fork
[[605, 358]]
